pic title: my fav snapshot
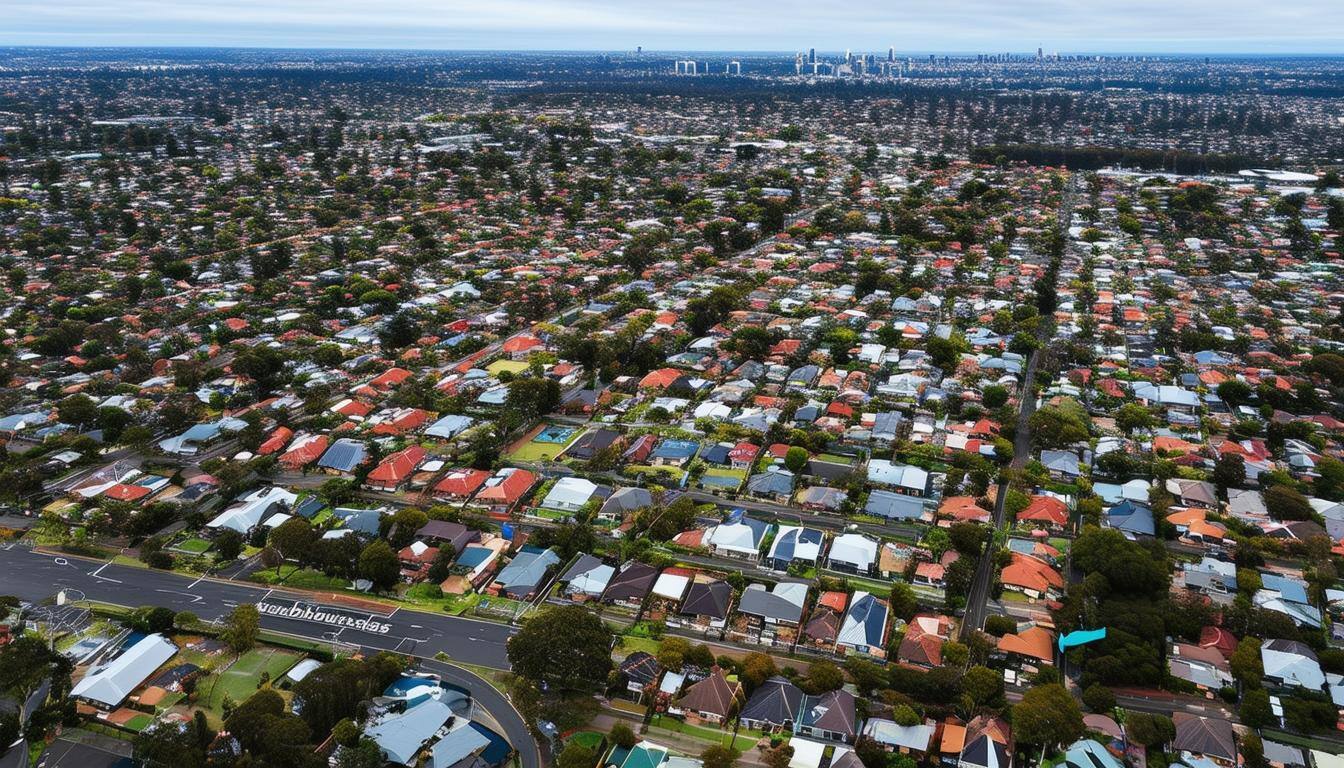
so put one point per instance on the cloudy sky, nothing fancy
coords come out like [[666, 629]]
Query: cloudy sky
[[1196, 26]]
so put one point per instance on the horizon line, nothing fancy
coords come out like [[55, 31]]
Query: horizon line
[[632, 51]]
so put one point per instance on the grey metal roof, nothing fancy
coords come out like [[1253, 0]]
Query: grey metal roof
[[344, 455]]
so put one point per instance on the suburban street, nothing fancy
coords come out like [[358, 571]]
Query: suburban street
[[34, 576]]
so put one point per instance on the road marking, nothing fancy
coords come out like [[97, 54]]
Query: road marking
[[198, 580], [194, 598]]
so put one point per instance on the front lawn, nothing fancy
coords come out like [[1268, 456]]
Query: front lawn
[[194, 546], [242, 678]]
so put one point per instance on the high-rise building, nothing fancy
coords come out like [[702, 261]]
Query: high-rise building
[[811, 55], [891, 54]]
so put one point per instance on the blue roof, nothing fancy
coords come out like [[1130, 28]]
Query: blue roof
[[676, 449], [474, 556], [365, 521], [344, 455], [1292, 591], [1131, 518]]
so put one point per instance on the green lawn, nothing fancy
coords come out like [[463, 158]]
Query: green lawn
[[299, 578], [631, 644], [534, 451], [194, 546], [589, 739], [670, 472], [460, 604], [239, 681], [831, 458], [139, 723], [702, 733]]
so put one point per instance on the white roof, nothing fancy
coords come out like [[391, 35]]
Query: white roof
[[110, 683], [854, 548], [671, 585]]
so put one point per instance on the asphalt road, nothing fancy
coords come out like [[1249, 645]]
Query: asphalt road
[[36, 576]]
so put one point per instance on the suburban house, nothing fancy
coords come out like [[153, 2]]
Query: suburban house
[[1209, 738], [630, 585], [108, 684], [852, 553], [864, 628], [902, 478], [831, 716], [524, 574], [395, 470], [773, 706], [711, 700], [706, 603], [739, 538], [587, 578], [793, 544]]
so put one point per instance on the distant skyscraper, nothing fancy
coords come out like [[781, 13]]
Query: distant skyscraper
[[639, 49], [811, 55], [891, 54], [1039, 54]]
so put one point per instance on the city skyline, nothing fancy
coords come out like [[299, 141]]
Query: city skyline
[[1132, 26]]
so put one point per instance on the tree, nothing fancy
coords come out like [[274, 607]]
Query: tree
[[1253, 751], [379, 564], [1330, 481], [1150, 730], [1099, 698], [532, 397], [983, 686], [241, 628], [795, 459], [1055, 426], [1132, 417], [364, 754], [1234, 392], [868, 675], [1246, 664], [1229, 472], [778, 757], [567, 648], [264, 365], [902, 600], [823, 676], [871, 753], [622, 735], [757, 667], [24, 663], [78, 410], [575, 755], [1256, 711], [228, 544], [1285, 503], [717, 756], [1047, 716], [905, 715], [294, 539], [169, 743], [333, 691], [9, 730], [994, 396], [249, 720]]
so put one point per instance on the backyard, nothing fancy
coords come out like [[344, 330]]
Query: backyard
[[242, 678]]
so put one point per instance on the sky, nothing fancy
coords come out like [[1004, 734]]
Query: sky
[[1064, 26]]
